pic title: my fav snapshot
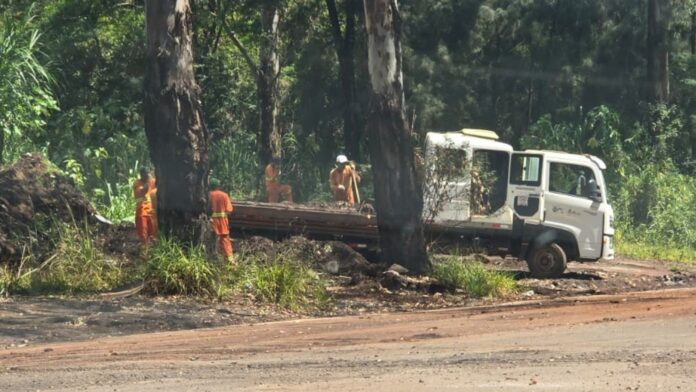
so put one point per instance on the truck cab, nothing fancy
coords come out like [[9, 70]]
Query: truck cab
[[546, 207]]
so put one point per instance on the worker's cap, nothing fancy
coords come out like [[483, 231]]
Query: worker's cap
[[276, 160], [214, 182], [341, 159], [143, 170]]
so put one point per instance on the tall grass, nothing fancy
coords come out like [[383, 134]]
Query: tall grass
[[173, 269], [655, 214], [474, 279], [77, 266], [283, 281]]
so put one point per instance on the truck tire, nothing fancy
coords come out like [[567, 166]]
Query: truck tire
[[547, 261]]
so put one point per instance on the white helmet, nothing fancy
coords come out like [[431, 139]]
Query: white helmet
[[341, 159]]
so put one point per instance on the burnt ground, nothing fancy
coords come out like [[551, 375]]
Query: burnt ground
[[27, 320]]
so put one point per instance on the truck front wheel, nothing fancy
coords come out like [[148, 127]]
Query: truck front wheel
[[547, 261]]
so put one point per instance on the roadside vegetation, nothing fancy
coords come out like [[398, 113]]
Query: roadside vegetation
[[474, 279]]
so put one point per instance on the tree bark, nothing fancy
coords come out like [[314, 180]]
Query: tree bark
[[2, 146], [657, 50], [268, 84], [176, 133], [398, 196], [692, 34], [345, 45]]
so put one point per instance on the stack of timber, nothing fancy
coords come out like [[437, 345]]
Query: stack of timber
[[330, 222]]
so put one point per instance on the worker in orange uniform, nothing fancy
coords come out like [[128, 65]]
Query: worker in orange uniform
[[343, 179], [221, 206], [153, 202], [274, 189], [143, 189]]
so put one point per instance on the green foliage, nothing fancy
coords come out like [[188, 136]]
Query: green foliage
[[173, 269], [655, 207], [14, 281], [78, 265], [284, 281], [26, 98], [474, 279]]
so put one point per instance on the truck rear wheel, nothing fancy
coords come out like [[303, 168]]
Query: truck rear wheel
[[547, 261]]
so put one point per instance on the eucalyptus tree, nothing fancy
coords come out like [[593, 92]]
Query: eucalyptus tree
[[176, 132], [398, 195]]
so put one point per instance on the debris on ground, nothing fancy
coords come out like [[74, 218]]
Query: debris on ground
[[32, 190], [333, 257]]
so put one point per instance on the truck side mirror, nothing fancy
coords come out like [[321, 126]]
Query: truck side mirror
[[596, 196]]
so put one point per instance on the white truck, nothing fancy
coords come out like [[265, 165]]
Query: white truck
[[546, 207]]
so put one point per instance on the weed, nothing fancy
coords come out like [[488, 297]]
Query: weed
[[474, 279], [78, 264], [284, 281], [12, 281], [665, 252], [173, 269]]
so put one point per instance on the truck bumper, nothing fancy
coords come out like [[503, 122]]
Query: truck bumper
[[608, 248]]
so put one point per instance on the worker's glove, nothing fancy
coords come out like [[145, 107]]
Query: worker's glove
[[341, 188]]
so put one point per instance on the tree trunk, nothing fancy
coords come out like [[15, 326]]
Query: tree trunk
[[2, 146], [345, 45], [268, 85], [692, 34], [657, 50], [176, 133], [398, 196]]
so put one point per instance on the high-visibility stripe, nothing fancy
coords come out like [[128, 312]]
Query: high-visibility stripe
[[270, 178], [219, 214], [144, 199]]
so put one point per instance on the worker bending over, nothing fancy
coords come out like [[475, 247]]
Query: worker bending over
[[344, 180], [274, 188], [143, 190], [221, 206]]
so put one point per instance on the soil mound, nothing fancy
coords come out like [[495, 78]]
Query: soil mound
[[331, 256], [32, 190]]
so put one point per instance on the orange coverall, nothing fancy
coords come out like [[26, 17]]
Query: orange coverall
[[274, 188], [221, 207], [144, 217], [343, 177]]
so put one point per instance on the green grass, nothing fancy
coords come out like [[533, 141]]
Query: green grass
[[174, 269], [474, 279], [643, 251], [283, 281], [77, 265]]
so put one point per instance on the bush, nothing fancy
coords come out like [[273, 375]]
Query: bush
[[474, 279], [284, 281], [655, 207], [173, 269], [77, 266]]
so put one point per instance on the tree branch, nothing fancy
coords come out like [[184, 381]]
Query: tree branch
[[335, 25], [245, 53]]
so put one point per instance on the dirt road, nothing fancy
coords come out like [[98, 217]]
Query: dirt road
[[633, 341]]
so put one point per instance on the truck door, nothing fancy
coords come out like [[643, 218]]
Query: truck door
[[526, 195], [569, 205]]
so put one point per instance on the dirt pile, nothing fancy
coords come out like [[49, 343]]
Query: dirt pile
[[333, 257], [32, 190]]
